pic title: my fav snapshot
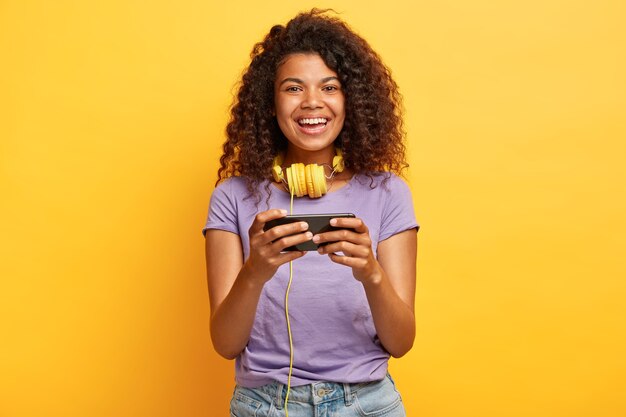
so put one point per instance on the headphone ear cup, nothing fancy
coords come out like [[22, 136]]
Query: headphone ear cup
[[295, 179], [308, 170], [301, 179], [290, 181], [315, 180], [295, 174]]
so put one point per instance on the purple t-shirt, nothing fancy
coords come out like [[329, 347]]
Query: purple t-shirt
[[334, 337]]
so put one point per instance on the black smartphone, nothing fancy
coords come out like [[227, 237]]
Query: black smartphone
[[318, 223]]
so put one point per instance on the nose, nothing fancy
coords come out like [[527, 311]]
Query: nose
[[312, 99]]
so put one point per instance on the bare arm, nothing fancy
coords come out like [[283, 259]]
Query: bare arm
[[392, 297], [231, 320], [389, 281], [235, 286]]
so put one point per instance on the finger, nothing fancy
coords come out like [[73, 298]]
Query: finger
[[351, 223], [348, 249], [290, 256], [264, 217], [347, 235], [283, 230], [292, 240], [348, 261], [276, 234]]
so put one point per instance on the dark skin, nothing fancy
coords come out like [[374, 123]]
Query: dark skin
[[305, 88], [388, 281]]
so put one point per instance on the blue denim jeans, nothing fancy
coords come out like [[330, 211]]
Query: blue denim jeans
[[321, 399]]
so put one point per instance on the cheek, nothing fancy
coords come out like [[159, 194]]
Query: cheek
[[284, 121], [339, 107], [284, 108], [283, 125], [340, 112]]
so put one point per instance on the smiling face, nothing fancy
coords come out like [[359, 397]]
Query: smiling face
[[309, 106]]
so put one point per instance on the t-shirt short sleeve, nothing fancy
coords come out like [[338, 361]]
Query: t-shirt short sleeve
[[222, 209], [398, 213]]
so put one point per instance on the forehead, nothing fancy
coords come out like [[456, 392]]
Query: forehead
[[303, 66]]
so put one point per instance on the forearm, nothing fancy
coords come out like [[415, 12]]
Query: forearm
[[232, 321], [389, 279], [393, 318], [235, 285]]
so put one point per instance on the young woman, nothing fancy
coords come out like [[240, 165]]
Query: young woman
[[312, 331]]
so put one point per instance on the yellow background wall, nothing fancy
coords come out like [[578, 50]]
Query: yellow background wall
[[111, 120]]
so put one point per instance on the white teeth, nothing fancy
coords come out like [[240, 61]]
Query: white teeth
[[314, 121]]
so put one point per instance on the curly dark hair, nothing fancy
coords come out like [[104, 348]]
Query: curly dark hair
[[372, 138]]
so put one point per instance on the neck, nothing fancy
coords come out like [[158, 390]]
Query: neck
[[321, 157]]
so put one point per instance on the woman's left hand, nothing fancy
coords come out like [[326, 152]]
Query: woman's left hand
[[355, 243]]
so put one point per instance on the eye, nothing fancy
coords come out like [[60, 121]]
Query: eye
[[330, 88], [293, 89]]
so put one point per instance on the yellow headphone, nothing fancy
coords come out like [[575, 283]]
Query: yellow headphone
[[306, 179]]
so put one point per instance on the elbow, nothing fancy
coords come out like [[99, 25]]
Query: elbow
[[227, 355], [402, 347], [223, 348], [225, 352], [400, 351]]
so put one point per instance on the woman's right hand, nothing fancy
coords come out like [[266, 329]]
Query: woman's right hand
[[235, 285], [266, 246]]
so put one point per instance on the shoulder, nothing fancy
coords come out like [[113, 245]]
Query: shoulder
[[229, 191], [232, 183], [233, 186], [388, 189], [242, 191], [384, 182]]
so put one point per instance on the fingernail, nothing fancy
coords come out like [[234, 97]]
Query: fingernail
[[304, 225], [283, 211], [333, 222], [316, 238], [309, 235]]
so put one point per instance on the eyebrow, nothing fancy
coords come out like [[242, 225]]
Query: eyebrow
[[299, 81]]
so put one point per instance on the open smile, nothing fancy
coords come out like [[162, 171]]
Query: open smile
[[313, 125]]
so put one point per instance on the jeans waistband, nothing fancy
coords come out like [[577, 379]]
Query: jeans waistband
[[315, 393]]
